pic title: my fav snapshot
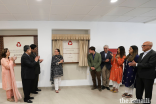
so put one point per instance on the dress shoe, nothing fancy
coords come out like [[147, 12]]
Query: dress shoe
[[107, 88], [38, 90], [31, 97], [28, 101], [34, 92], [100, 89], [103, 87], [93, 88]]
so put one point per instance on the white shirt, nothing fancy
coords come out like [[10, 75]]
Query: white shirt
[[106, 54], [145, 53]]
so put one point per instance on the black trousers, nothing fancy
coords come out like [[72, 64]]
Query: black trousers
[[144, 84], [26, 88], [34, 85]]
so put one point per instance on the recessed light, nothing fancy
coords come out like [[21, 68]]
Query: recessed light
[[113, 1], [38, 0]]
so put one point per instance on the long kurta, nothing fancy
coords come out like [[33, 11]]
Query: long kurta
[[129, 74], [117, 69], [8, 78], [6, 74], [56, 69]]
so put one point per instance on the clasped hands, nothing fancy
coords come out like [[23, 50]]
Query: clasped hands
[[133, 63], [37, 58], [92, 68], [13, 58]]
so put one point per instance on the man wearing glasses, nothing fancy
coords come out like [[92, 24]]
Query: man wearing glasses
[[146, 72], [105, 66]]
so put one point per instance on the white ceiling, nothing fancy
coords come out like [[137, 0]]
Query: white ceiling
[[78, 10]]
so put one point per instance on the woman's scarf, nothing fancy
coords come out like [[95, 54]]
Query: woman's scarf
[[16, 93], [55, 60]]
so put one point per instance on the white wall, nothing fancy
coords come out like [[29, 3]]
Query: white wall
[[113, 34]]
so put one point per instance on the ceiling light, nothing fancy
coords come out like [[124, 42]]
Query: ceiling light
[[113, 1], [39, 0]]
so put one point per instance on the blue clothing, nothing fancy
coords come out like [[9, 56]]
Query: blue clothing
[[94, 55], [129, 74], [104, 57]]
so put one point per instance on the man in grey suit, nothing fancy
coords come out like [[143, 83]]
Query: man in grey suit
[[105, 66]]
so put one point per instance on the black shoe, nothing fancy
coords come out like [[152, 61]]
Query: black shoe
[[107, 88], [28, 101], [93, 88], [100, 89], [103, 87], [34, 92], [38, 90], [31, 97]]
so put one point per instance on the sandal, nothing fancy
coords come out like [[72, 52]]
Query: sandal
[[125, 94], [112, 90], [129, 96], [115, 91], [56, 91], [10, 100]]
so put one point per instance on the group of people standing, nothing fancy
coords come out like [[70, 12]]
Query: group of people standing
[[139, 70], [30, 70]]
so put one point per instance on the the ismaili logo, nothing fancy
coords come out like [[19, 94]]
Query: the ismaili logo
[[18, 44]]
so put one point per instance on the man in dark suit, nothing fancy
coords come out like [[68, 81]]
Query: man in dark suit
[[27, 72], [145, 73], [34, 86], [105, 66]]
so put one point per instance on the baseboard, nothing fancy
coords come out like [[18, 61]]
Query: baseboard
[[63, 83]]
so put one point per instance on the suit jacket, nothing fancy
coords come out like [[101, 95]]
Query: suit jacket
[[94, 62], [103, 59], [27, 67], [146, 66], [37, 66]]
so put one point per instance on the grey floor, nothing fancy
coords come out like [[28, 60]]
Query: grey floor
[[74, 95]]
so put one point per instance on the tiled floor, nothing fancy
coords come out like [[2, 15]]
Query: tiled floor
[[74, 95]]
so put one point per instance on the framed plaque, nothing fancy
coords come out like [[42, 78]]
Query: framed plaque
[[71, 51]]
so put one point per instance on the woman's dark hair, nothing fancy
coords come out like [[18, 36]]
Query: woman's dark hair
[[33, 46], [58, 50], [4, 51], [92, 48], [135, 52], [122, 51]]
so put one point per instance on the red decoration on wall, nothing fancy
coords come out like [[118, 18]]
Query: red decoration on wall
[[70, 43], [18, 44], [114, 51]]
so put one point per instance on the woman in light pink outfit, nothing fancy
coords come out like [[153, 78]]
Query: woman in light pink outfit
[[8, 78]]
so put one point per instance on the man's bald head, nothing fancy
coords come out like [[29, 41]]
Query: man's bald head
[[148, 43], [147, 46]]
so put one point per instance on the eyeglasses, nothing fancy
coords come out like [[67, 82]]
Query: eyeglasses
[[145, 45], [105, 48]]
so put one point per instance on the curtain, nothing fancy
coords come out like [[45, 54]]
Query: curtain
[[83, 52], [83, 45], [57, 44], [70, 37]]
